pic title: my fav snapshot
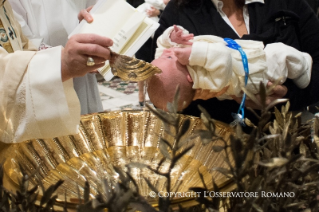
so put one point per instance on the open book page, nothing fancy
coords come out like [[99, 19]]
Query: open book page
[[109, 16], [128, 31], [141, 35], [116, 19]]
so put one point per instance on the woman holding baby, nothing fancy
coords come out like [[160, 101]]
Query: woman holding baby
[[291, 22]]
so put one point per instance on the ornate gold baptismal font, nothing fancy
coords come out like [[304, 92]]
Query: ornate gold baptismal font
[[116, 139]]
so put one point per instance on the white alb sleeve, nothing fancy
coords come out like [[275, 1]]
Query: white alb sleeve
[[52, 107]]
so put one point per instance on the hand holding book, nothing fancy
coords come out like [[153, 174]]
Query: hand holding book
[[129, 30]]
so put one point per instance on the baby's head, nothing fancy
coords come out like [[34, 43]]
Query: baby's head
[[162, 87]]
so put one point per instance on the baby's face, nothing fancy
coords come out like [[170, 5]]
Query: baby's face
[[168, 62]]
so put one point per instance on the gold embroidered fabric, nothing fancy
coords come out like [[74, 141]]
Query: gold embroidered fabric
[[4, 40]]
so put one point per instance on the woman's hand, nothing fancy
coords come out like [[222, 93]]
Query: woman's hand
[[178, 37], [205, 94], [278, 92], [84, 14], [77, 50], [152, 12], [183, 54]]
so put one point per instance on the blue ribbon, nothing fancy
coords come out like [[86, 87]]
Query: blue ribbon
[[240, 116]]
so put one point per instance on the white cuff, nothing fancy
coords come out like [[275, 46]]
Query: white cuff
[[52, 106]]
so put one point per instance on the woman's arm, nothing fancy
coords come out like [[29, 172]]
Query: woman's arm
[[309, 42]]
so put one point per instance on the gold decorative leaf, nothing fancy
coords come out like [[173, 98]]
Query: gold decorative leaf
[[287, 107], [298, 115], [256, 159], [277, 101], [262, 93], [267, 154], [249, 123], [275, 162], [276, 126], [279, 117], [272, 130], [303, 149]]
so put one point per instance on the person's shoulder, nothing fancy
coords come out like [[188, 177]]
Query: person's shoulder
[[171, 10], [172, 4]]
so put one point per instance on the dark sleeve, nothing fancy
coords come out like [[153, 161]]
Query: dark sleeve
[[313, 4], [168, 18], [309, 42]]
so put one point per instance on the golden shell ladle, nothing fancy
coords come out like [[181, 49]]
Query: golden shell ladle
[[131, 69]]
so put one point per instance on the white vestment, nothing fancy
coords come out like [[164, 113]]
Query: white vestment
[[157, 4], [53, 21], [34, 103]]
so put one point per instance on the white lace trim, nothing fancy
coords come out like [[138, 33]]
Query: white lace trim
[[19, 114]]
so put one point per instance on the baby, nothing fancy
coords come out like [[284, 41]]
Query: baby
[[205, 62]]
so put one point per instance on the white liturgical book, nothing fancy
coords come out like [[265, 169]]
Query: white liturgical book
[[128, 28]]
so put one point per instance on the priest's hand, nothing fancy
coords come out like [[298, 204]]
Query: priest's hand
[[84, 14], [78, 49]]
